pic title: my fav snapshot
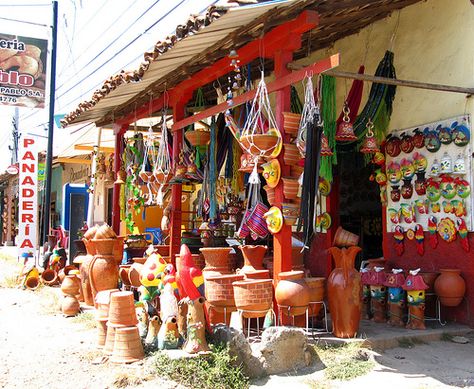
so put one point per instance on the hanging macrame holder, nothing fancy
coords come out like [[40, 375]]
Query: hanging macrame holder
[[147, 176], [254, 139], [310, 108], [162, 163]]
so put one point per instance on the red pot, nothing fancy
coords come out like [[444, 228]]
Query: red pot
[[254, 297], [450, 287], [292, 292]]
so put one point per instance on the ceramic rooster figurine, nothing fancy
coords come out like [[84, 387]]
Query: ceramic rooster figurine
[[462, 232], [189, 277], [398, 235], [420, 238], [169, 277], [432, 228]]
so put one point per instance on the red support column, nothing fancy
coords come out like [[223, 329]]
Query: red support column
[[119, 131]]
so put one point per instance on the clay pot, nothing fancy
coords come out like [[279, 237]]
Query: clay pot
[[103, 273], [259, 144], [71, 285], [122, 310], [253, 297], [290, 187], [217, 260], [198, 137], [263, 274], [343, 238], [32, 282], [290, 213], [134, 274], [316, 293], [109, 340], [85, 282], [253, 257], [291, 155], [291, 123], [112, 247], [219, 290], [292, 294], [70, 306], [450, 287], [49, 277], [102, 301], [101, 333], [127, 346], [65, 271], [270, 194], [198, 260], [344, 292], [296, 171], [124, 277]]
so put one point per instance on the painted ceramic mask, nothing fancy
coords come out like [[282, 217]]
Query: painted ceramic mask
[[418, 138], [444, 134], [460, 134], [433, 193], [463, 189], [459, 166], [406, 143], [395, 194], [435, 169], [446, 163], [419, 162], [447, 187], [407, 168], [420, 184], [407, 189], [394, 173], [392, 146], [432, 142]]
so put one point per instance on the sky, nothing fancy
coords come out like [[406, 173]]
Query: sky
[[96, 39]]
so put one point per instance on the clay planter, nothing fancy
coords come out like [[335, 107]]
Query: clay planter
[[124, 277], [109, 340], [49, 277], [257, 274], [122, 310], [270, 194], [70, 306], [198, 137], [127, 346], [292, 293], [259, 144], [344, 292], [197, 258], [32, 282], [291, 123], [103, 301], [253, 295], [220, 292], [217, 260], [85, 282], [343, 238], [316, 293], [253, 257], [291, 155], [450, 287], [103, 273], [71, 285], [65, 271], [296, 171], [290, 213], [134, 274], [162, 249], [101, 333], [290, 187]]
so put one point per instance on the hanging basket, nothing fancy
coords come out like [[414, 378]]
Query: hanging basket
[[259, 144], [198, 137]]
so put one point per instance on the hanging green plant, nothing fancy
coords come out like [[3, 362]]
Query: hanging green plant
[[328, 114]]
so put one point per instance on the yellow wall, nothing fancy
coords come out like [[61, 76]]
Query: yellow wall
[[433, 43]]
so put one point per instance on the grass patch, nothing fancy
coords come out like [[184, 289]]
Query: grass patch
[[85, 319], [89, 356], [344, 362], [410, 342], [9, 281], [124, 380], [212, 371]]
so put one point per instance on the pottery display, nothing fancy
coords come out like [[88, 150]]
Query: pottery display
[[70, 306], [246, 292], [219, 290], [253, 257], [122, 310], [450, 287], [316, 293], [344, 290], [290, 187], [196, 328], [291, 155], [103, 273], [127, 345], [292, 294], [71, 285], [217, 260]]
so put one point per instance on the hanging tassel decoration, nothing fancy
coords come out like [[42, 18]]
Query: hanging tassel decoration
[[212, 172], [399, 237], [328, 113], [419, 238], [463, 236], [432, 224]]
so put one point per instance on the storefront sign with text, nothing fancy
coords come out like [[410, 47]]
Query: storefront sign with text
[[28, 196]]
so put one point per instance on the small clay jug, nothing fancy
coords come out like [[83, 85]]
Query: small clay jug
[[450, 287], [71, 285], [70, 306]]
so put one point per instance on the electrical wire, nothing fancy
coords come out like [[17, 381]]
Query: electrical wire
[[24, 21], [25, 5]]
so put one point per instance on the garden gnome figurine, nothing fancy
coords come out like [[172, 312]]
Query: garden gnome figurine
[[154, 326], [415, 287], [196, 327], [168, 335], [378, 294], [396, 298]]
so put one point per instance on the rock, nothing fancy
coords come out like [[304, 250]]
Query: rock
[[284, 349], [460, 339], [239, 348]]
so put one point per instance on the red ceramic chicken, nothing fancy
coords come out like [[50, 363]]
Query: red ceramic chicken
[[189, 277]]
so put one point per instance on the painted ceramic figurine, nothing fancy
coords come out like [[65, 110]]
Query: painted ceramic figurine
[[396, 298], [378, 295], [415, 287], [196, 327]]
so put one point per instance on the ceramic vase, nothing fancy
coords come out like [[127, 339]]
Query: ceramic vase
[[103, 273], [292, 294], [71, 285], [316, 293], [450, 287], [217, 260], [344, 292], [253, 257]]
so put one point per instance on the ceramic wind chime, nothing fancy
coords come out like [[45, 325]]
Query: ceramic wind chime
[[163, 162], [369, 145]]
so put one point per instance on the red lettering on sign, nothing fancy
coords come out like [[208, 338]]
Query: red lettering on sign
[[29, 155], [28, 141], [26, 192], [28, 181], [27, 218], [26, 243], [27, 205], [25, 167]]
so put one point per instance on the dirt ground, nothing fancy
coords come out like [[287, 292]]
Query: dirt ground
[[41, 349]]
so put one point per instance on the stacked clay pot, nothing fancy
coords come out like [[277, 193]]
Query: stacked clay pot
[[253, 297], [217, 260], [220, 295], [70, 288], [292, 294], [316, 292], [290, 187], [102, 315], [253, 262], [291, 155]]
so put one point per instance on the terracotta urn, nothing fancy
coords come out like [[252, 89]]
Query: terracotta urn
[[344, 292], [292, 293], [103, 273], [85, 282], [217, 260], [316, 292], [70, 306], [253, 257], [134, 274], [71, 285], [65, 271], [220, 292], [450, 287], [253, 297]]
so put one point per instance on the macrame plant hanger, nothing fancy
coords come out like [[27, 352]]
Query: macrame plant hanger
[[309, 110], [163, 158], [149, 143]]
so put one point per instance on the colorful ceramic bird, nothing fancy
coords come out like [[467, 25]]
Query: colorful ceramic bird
[[398, 235], [462, 232], [189, 277], [420, 238], [169, 277], [432, 229]]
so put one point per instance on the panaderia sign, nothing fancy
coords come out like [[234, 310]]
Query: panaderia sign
[[22, 71]]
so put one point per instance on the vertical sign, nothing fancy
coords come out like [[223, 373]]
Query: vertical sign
[[28, 196]]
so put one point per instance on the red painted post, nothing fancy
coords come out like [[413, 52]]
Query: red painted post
[[119, 131]]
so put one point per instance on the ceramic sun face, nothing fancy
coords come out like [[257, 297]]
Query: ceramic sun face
[[419, 162], [394, 173], [407, 168]]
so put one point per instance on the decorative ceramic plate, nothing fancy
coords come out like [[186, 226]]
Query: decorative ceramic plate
[[392, 146], [274, 219], [447, 229], [460, 134], [324, 187]]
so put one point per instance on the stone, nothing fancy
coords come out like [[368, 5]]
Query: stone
[[239, 348], [459, 339], [284, 349]]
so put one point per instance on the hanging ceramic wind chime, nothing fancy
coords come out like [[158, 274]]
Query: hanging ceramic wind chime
[[345, 130], [163, 162], [370, 143]]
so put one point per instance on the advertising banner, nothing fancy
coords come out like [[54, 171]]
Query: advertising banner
[[22, 71], [28, 195]]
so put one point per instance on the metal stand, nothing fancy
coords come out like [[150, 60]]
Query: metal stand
[[288, 313], [437, 310], [324, 330], [224, 309], [261, 313]]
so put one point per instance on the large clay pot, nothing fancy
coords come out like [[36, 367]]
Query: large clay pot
[[103, 273], [316, 293], [344, 292], [65, 271], [292, 293], [253, 297], [450, 287], [217, 260], [253, 257], [70, 306], [198, 260], [220, 292], [127, 346], [85, 282], [71, 285]]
